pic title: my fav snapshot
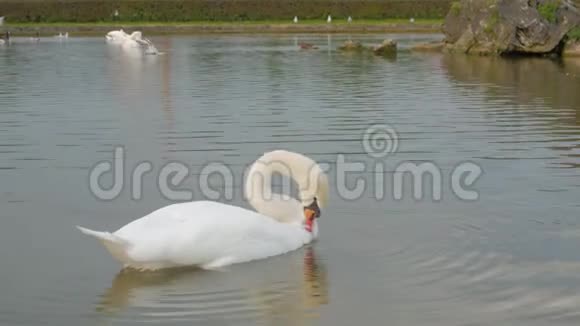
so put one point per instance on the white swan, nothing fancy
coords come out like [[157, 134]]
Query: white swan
[[121, 36], [329, 19], [116, 36], [132, 41], [211, 234], [295, 19], [136, 42]]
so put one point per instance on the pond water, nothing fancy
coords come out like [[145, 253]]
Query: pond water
[[509, 257]]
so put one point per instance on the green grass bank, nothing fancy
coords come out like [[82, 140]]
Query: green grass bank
[[305, 26], [175, 11]]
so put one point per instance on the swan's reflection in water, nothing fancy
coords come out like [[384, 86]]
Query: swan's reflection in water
[[287, 289], [129, 65]]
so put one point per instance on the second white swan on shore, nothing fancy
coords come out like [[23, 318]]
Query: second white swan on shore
[[211, 234]]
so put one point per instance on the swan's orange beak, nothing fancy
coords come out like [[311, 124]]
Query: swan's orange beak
[[311, 212], [309, 215]]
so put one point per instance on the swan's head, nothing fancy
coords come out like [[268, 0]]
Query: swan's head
[[314, 195], [311, 212], [310, 178]]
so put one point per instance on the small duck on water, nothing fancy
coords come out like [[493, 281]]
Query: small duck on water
[[307, 46]]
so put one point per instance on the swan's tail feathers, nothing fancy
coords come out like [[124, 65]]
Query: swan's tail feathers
[[116, 246]]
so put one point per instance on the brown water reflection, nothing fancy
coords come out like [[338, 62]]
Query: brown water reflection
[[528, 80], [181, 294], [539, 96]]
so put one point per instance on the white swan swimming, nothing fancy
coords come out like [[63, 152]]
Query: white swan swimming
[[120, 36], [116, 36], [211, 235], [136, 41], [132, 43]]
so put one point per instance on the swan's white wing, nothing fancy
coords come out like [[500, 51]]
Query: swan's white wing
[[207, 234]]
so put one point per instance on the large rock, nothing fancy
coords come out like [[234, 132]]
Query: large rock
[[509, 26], [388, 47], [351, 46]]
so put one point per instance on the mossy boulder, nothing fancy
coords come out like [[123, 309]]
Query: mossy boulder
[[532, 27], [388, 47]]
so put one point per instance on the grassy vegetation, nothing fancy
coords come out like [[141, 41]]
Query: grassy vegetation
[[492, 21], [549, 9], [455, 8], [335, 21], [81, 11], [574, 34]]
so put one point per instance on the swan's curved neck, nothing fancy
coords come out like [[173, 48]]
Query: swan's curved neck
[[258, 189]]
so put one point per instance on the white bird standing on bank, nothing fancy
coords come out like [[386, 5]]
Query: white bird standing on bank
[[295, 19], [1, 20], [329, 19], [349, 19], [210, 235], [412, 20]]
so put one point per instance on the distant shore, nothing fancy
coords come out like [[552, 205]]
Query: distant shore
[[363, 26]]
